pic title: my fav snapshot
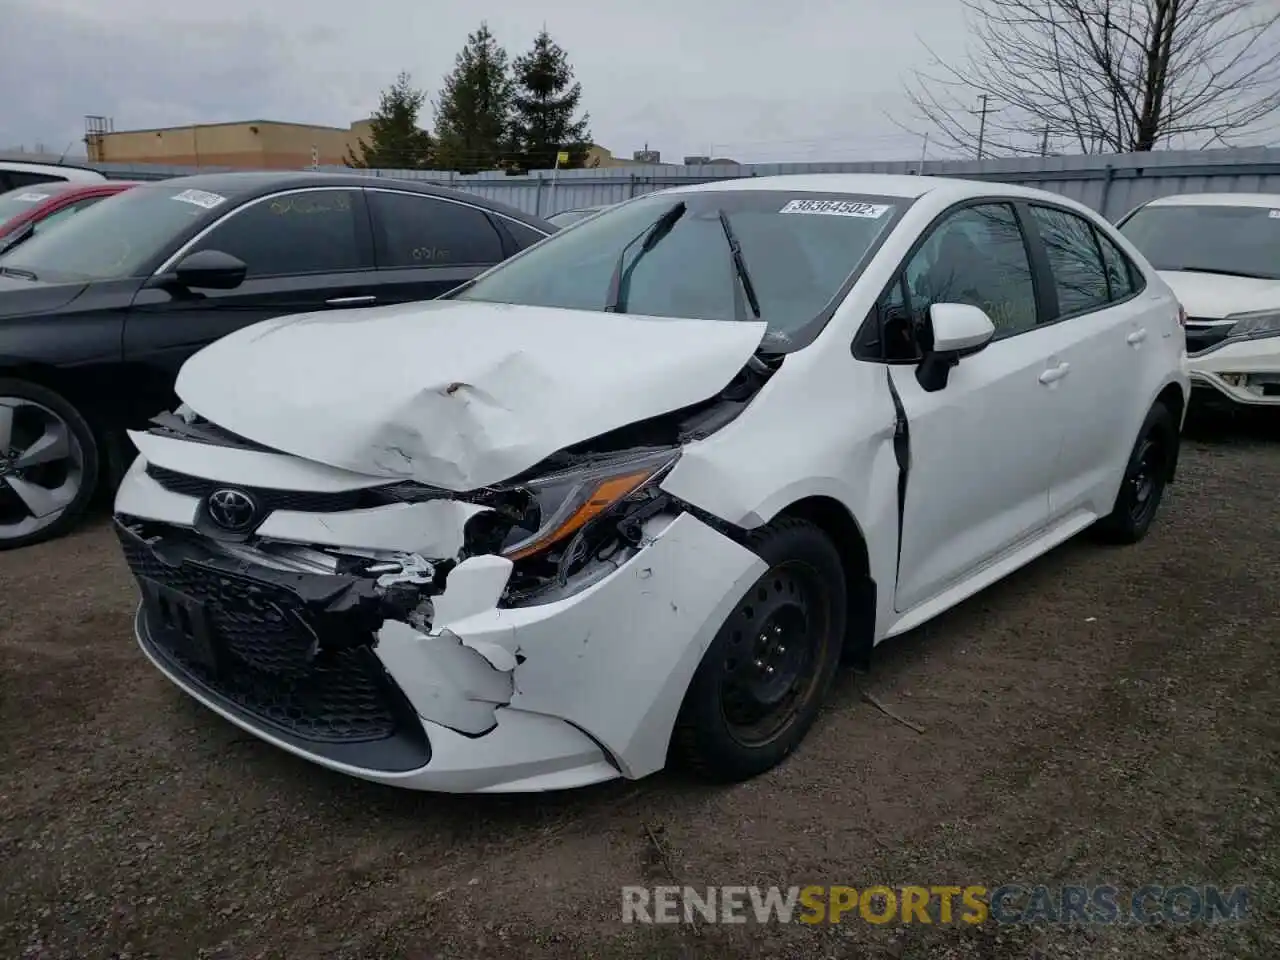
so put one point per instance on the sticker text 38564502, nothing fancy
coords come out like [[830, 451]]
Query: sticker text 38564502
[[838, 208]]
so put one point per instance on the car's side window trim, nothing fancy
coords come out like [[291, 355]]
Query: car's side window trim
[[499, 234], [868, 329], [1033, 236], [364, 241]]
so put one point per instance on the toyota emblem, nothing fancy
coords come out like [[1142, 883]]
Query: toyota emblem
[[232, 510]]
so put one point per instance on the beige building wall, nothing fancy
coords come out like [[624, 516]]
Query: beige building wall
[[255, 145], [251, 144]]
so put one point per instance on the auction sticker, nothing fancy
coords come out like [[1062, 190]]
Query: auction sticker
[[200, 198], [1274, 214], [31, 197], [838, 208]]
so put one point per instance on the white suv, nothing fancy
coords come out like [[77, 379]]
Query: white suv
[[634, 493], [15, 174], [1220, 252]]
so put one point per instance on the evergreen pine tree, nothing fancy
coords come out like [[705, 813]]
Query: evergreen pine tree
[[474, 108], [396, 141], [546, 99]]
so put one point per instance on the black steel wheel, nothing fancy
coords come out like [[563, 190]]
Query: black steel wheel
[[762, 681], [48, 464], [1145, 478]]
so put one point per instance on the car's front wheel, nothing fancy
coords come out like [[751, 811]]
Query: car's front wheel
[[762, 681], [48, 464]]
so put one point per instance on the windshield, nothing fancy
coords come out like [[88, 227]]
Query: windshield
[[798, 250], [113, 239], [1238, 241], [20, 201]]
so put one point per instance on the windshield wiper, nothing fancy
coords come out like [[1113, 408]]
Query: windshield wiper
[[620, 282], [1225, 273], [16, 272], [740, 269]]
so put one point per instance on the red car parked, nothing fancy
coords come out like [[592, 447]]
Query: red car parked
[[28, 209]]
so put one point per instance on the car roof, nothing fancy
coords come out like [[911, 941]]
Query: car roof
[[66, 172], [249, 184], [907, 186], [1218, 200]]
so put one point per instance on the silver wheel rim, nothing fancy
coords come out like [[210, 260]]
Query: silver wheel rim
[[41, 467]]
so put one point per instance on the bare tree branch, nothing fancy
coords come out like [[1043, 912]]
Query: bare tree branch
[[1111, 76]]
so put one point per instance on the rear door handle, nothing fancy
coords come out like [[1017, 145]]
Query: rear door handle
[[1054, 374], [350, 301], [1137, 336]]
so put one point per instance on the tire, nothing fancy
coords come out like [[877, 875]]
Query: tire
[[802, 596], [1145, 477], [65, 478]]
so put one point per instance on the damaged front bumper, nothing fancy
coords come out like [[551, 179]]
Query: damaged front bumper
[[434, 685], [1245, 372]]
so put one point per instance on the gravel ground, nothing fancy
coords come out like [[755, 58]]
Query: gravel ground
[[1103, 716]]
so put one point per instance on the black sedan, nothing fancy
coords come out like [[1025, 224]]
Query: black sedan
[[97, 317]]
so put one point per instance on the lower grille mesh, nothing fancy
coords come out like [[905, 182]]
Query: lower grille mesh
[[268, 670]]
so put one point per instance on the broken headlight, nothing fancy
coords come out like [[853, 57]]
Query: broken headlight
[[565, 502], [1258, 323]]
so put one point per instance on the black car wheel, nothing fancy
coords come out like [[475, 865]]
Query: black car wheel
[[48, 464], [762, 681], [1145, 478]]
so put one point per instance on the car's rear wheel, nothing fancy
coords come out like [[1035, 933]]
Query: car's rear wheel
[[48, 464], [762, 681], [1145, 478]]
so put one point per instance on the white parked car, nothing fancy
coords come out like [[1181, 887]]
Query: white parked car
[[1220, 252], [632, 494], [15, 174]]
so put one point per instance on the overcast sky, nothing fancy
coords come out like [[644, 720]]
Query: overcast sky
[[757, 80]]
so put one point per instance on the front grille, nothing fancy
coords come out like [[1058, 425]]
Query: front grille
[[1202, 338], [269, 669], [269, 499]]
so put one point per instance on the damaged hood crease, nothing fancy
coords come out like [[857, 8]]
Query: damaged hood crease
[[456, 395]]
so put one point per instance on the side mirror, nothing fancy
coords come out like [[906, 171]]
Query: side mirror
[[957, 330], [210, 270]]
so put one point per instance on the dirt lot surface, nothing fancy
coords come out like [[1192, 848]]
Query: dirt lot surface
[[1104, 716]]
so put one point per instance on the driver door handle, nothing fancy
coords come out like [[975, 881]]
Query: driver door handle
[[1054, 374], [1137, 336], [350, 301]]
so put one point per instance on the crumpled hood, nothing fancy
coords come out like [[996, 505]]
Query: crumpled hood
[[1211, 296], [455, 394]]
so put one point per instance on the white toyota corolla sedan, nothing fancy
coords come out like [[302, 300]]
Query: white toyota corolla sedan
[[631, 496]]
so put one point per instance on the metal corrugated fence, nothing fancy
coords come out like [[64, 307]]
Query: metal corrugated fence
[[1109, 184]]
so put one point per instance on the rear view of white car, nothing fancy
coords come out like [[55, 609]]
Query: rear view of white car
[[633, 495], [1221, 255]]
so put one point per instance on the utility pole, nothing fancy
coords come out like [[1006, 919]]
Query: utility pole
[[924, 151], [982, 123], [1044, 142]]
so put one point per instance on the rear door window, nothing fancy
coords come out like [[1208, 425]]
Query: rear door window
[[418, 231], [1075, 259]]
